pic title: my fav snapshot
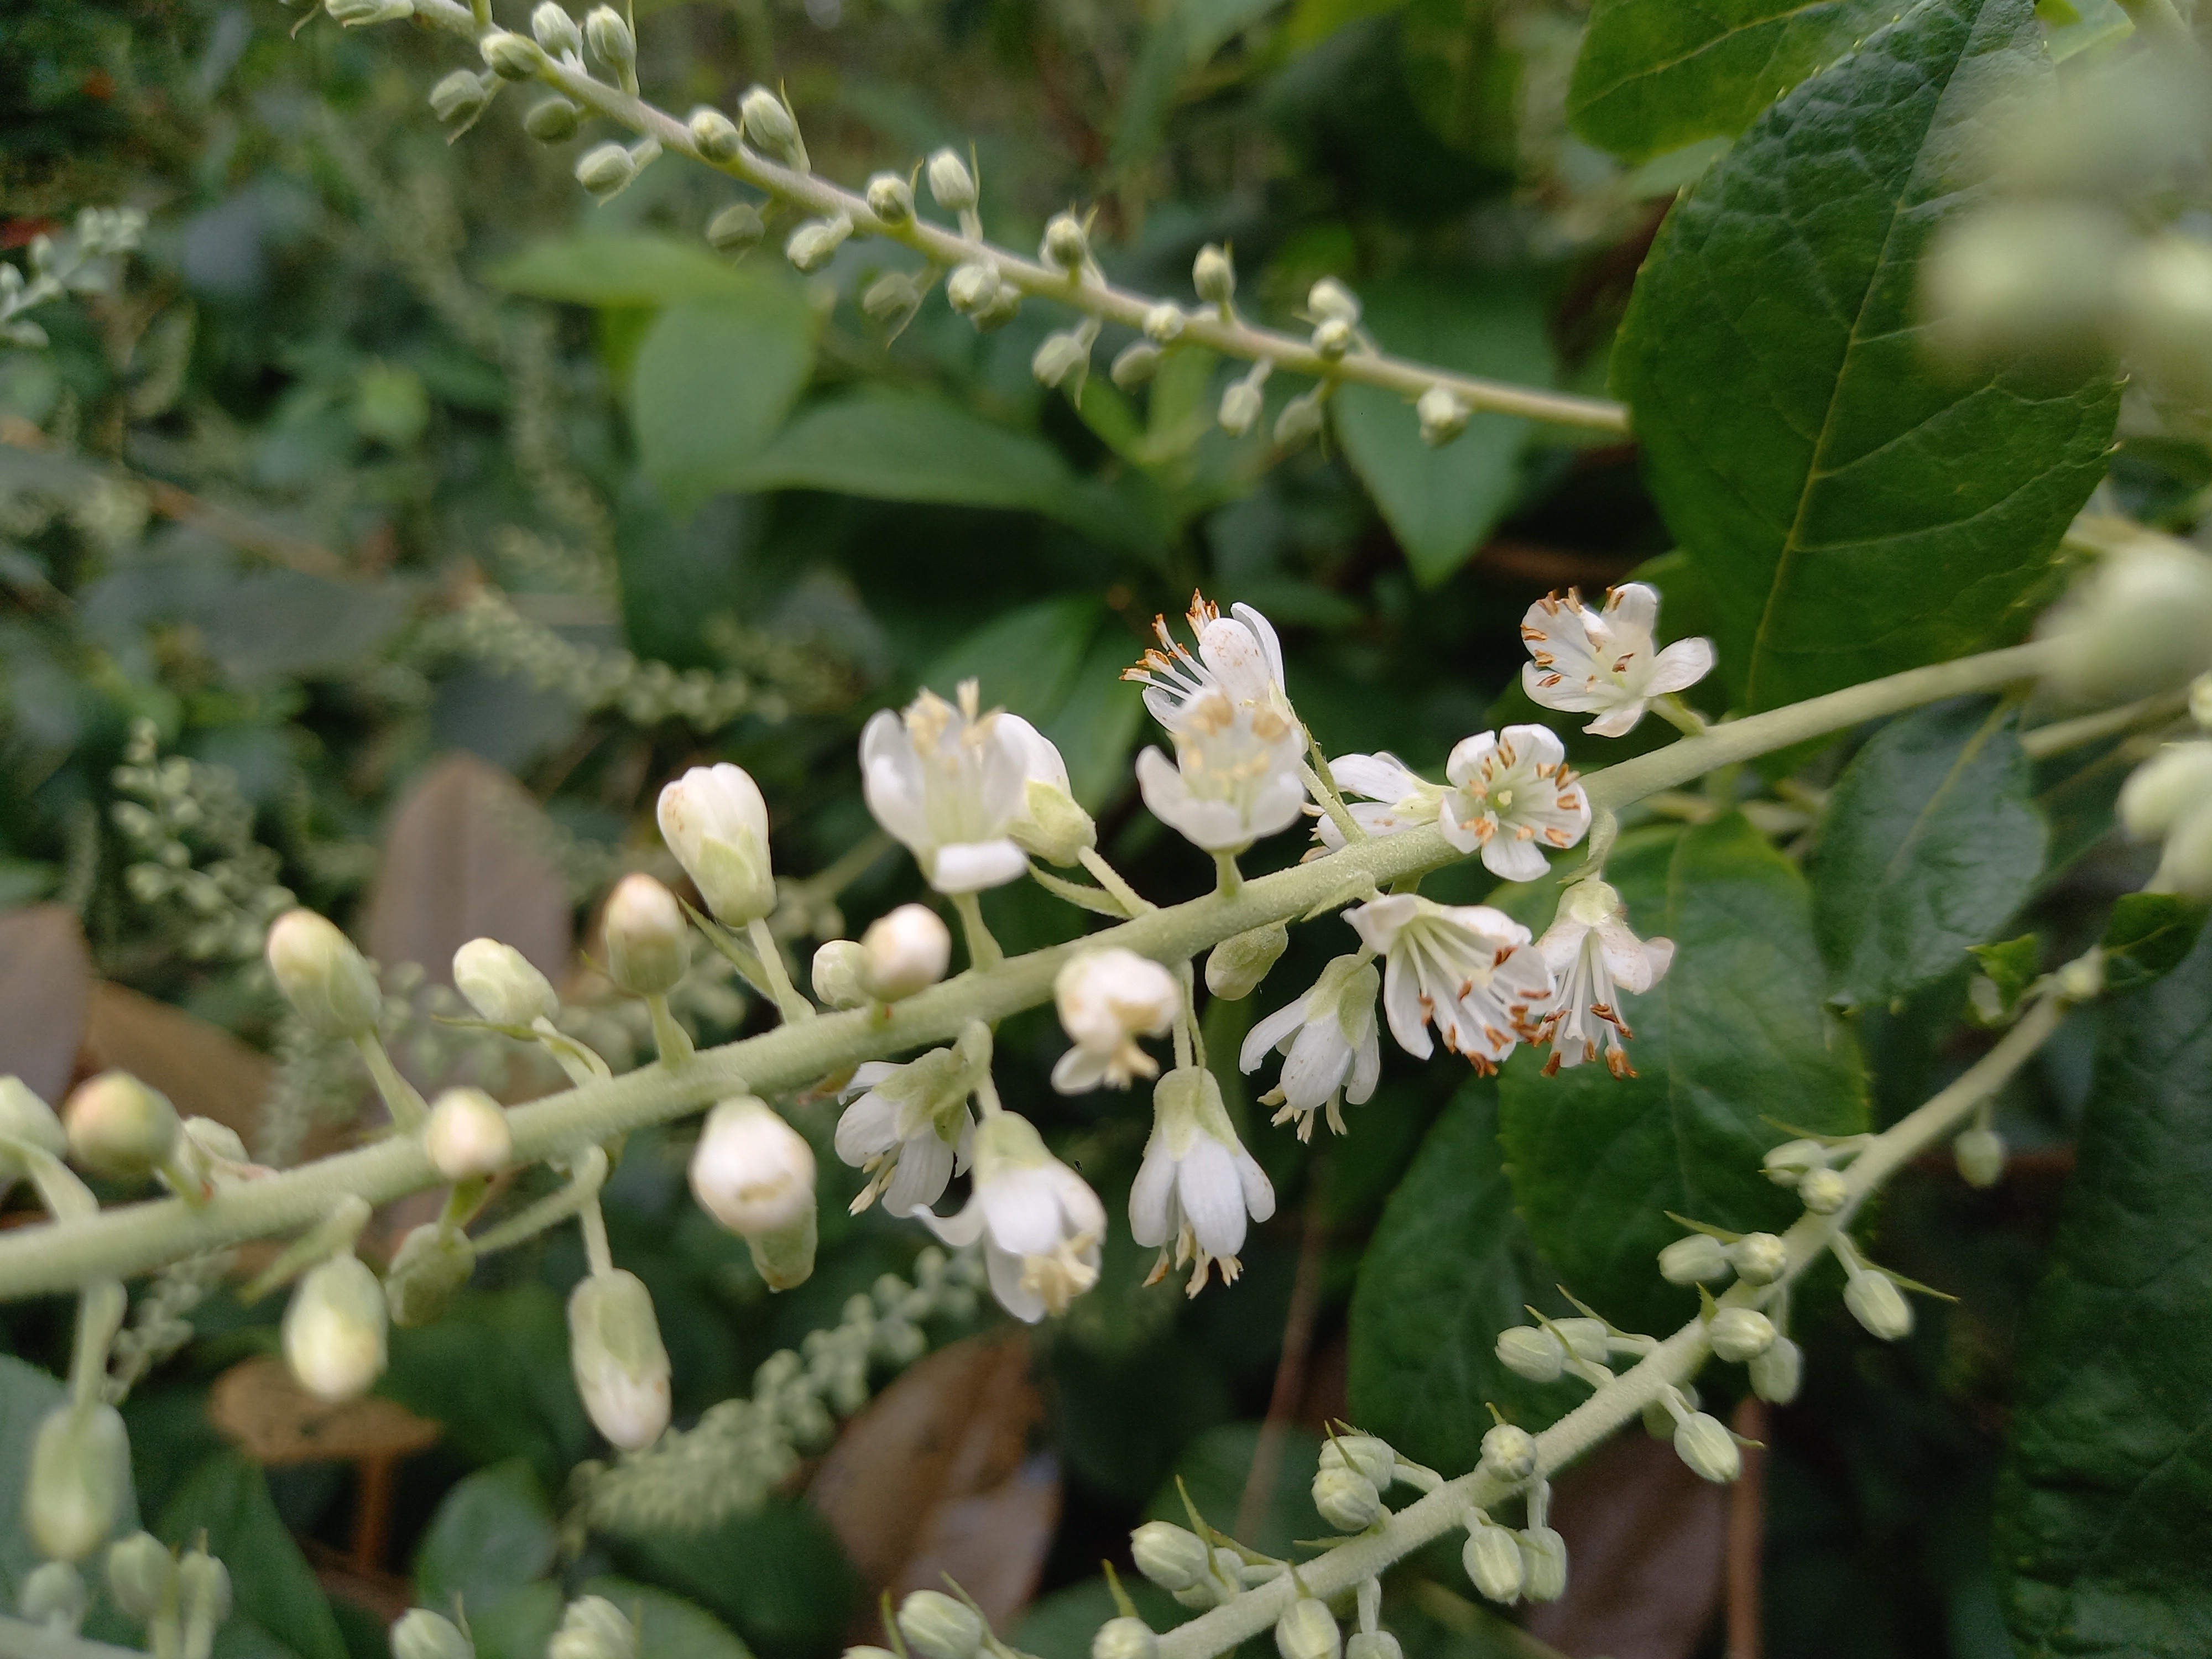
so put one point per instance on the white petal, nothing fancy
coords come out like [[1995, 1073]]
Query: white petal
[[1041, 757], [1555, 688], [1681, 666], [1280, 803], [1264, 631], [1079, 1071], [1467, 755], [1457, 818], [1023, 1208], [1016, 1298], [1378, 921], [1618, 722], [1510, 858], [1268, 1033], [1316, 1065], [962, 1228], [1366, 1068], [1213, 1197], [1259, 1192], [972, 866], [925, 1168], [1401, 1003], [868, 1129], [1633, 605], [1151, 1217], [1381, 777]]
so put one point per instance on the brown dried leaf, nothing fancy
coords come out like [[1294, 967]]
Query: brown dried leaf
[[270, 1418], [45, 971], [936, 1477], [203, 1069], [461, 862]]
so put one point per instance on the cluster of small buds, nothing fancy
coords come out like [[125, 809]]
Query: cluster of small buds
[[188, 833], [1707, 1256], [1806, 1164], [82, 262]]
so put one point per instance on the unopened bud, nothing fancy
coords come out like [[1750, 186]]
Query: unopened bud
[[615, 1350], [459, 96], [1877, 1304], [552, 120], [139, 1570], [334, 1329], [951, 184], [715, 134], [1329, 300], [1234, 967], [1696, 1260], [119, 1128], [1301, 420], [1065, 244], [767, 121], [715, 822], [423, 1634], [891, 299], [509, 56], [1214, 274], [2082, 980], [2023, 277], [1172, 1557], [784, 1256], [54, 1594], [2166, 788], [1531, 1352], [1441, 414], [203, 1592], [1135, 364], [1062, 358], [1981, 1156], [1332, 338], [1491, 1556], [904, 952], [1240, 407], [971, 289], [502, 984], [1758, 1258], [1509, 1453], [837, 972], [890, 198], [605, 169], [1543, 1564], [1585, 1338], [325, 980], [1125, 1637], [2165, 309], [1823, 1191], [815, 243], [427, 1270], [752, 1171], [2140, 620], [1364, 1455], [80, 1479], [467, 1135], [1053, 826], [1705, 1444], [1373, 1645], [592, 1627], [1789, 1163], [1347, 1500], [938, 1627], [1218, 1586], [1777, 1374], [2185, 868], [556, 30], [1307, 1630], [612, 43], [648, 941], [735, 228], [1739, 1335]]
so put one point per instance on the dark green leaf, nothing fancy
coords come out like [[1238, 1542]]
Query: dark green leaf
[[1442, 503], [519, 1624], [621, 270], [1097, 726], [494, 1372], [714, 380], [2105, 1510], [2148, 935], [1450, 1267], [1732, 1037], [1930, 843], [1655, 75], [492, 1532], [1856, 510], [1026, 659], [276, 1597], [776, 1576]]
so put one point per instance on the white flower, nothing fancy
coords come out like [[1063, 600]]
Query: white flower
[[953, 786], [1040, 1223], [1602, 662], [1197, 1183], [1464, 967], [752, 1171], [1512, 795], [911, 1129], [1397, 798], [1327, 1037], [714, 821], [1589, 948], [1106, 1000]]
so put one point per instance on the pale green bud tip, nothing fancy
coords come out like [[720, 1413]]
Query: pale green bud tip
[[203, 1588], [1877, 1304], [1234, 967], [24, 1116], [621, 1366], [938, 1627], [509, 56], [1307, 1630], [1777, 1374], [1053, 826], [80, 1476], [1329, 300], [784, 1258], [1981, 1155], [551, 120], [119, 1128], [605, 169], [1758, 1258], [467, 1135], [1347, 1500], [1172, 1557], [53, 1592], [971, 290], [612, 43], [1441, 415], [1214, 274], [1240, 407], [592, 1627], [458, 95], [1125, 1638], [715, 133], [322, 975], [431, 1264], [768, 120], [1543, 1564], [815, 243], [890, 198], [1299, 421], [1823, 1191], [423, 1634], [1364, 1454], [1509, 1453], [951, 183], [556, 31], [1062, 358], [335, 1329], [752, 1171], [501, 985], [139, 1569], [2083, 978], [1332, 337], [735, 228], [837, 973], [1373, 1645], [1491, 1556], [1585, 1336], [1696, 1260], [1065, 244], [1740, 1334], [1531, 1352], [1135, 363], [1705, 1444], [648, 941], [1164, 323], [904, 952], [1788, 1164]]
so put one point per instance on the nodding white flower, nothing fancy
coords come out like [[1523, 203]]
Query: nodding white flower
[[714, 821], [1595, 956], [911, 1130], [1397, 797], [1197, 1183], [1106, 1000], [1327, 1037], [951, 785], [1603, 662], [1464, 967], [1040, 1222], [1236, 776], [1513, 796]]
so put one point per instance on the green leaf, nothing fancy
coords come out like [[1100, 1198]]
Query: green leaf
[[519, 1624], [1930, 843], [2103, 1520], [1855, 509], [713, 379], [1731, 1038], [494, 1372], [2147, 936], [276, 1597], [622, 270], [777, 1575], [1442, 503], [2012, 967], [1026, 659], [668, 1626], [1097, 724], [1450, 1267], [492, 1533], [1655, 74]]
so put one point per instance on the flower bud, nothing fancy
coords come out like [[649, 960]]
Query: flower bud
[[203, 1592], [467, 1135], [1659, 1419], [1164, 323], [320, 974], [1491, 1556], [1364, 1455], [1509, 1453], [423, 1634], [1696, 1260], [119, 1128], [1053, 826], [1332, 338], [1240, 407], [1543, 1564], [1301, 419], [938, 1627], [904, 952], [1530, 1351], [971, 289], [892, 299], [1234, 967], [605, 169], [1060, 358], [612, 43], [1877, 1304], [715, 134], [460, 97], [1823, 1191], [1172, 1557], [139, 1569], [509, 56], [1003, 307], [2185, 868], [52, 1593], [767, 121], [784, 1257], [735, 228], [1981, 1156], [890, 198], [1220, 1584], [2141, 619], [500, 983], [1777, 1374], [80, 1480], [715, 822], [616, 1352], [2166, 788], [1347, 1500], [1758, 1258], [837, 972], [592, 1627], [551, 120], [1135, 364], [649, 942], [1789, 1163], [334, 1329], [1125, 1637], [428, 1268], [556, 31], [815, 243], [2200, 701], [1214, 274], [1307, 1630], [25, 1117], [1065, 244], [1585, 1338], [1705, 1444], [1740, 1334], [1373, 1645], [1441, 415], [752, 1171], [951, 183]]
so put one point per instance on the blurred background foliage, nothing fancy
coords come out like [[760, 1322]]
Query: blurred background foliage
[[381, 453]]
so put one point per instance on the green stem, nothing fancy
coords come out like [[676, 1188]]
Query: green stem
[[1671, 708], [788, 1000], [1321, 785], [669, 1036], [550, 1211], [596, 1251], [1134, 903], [2062, 735], [1229, 880], [983, 952], [401, 1098]]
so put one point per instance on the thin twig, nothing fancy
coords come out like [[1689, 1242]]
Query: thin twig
[[1746, 1532]]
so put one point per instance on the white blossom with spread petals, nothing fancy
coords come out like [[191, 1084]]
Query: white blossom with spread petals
[[911, 1129], [1594, 957], [1106, 1000], [1332, 1053], [1604, 662], [1197, 1184], [1513, 797], [953, 786], [1396, 798], [1040, 1223], [1465, 968]]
